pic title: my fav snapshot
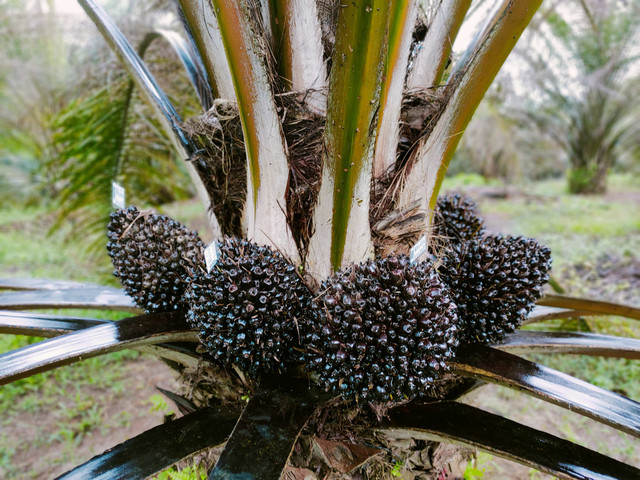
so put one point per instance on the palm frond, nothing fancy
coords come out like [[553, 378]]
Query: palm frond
[[90, 342], [44, 325], [101, 298], [402, 21], [494, 366], [435, 50], [157, 448], [101, 139], [190, 60], [204, 29], [150, 90], [91, 138], [20, 283], [297, 44], [590, 306], [264, 216], [343, 234], [571, 342], [268, 429], [141, 76], [465, 425], [541, 314]]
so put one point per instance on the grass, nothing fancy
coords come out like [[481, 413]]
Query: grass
[[187, 473], [27, 250], [569, 215]]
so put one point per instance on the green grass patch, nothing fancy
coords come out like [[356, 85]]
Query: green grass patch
[[465, 180], [28, 249], [187, 473], [567, 215]]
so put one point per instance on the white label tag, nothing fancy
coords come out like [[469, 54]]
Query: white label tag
[[117, 195], [418, 250], [211, 254]]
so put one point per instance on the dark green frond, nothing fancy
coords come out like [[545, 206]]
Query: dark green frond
[[106, 137]]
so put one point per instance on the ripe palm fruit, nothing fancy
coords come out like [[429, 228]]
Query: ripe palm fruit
[[385, 332], [495, 281], [153, 256], [248, 309], [456, 218]]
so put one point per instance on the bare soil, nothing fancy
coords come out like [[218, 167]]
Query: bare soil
[[51, 441]]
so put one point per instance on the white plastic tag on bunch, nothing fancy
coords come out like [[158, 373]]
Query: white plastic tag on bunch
[[117, 195], [211, 255], [418, 250]]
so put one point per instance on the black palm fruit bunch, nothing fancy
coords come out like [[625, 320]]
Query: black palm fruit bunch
[[456, 219], [154, 257], [494, 281], [386, 329], [248, 309]]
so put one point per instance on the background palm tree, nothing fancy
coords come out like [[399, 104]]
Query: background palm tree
[[584, 70], [326, 132]]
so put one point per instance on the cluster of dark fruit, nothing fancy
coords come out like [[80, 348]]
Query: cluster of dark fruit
[[248, 309], [382, 330], [385, 332], [494, 280], [456, 219], [154, 257]]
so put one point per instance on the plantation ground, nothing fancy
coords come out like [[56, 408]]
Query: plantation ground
[[56, 420]]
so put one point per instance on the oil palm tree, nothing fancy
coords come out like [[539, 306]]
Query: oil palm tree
[[585, 75], [325, 135]]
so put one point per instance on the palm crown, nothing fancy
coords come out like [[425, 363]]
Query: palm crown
[[325, 135]]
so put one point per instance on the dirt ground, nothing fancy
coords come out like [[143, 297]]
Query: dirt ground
[[42, 451]]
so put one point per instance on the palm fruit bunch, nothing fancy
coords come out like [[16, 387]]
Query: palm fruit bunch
[[456, 219], [495, 281], [154, 257], [247, 310], [385, 331]]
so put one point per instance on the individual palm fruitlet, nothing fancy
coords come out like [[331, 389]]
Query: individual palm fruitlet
[[249, 308], [154, 257], [495, 282], [456, 219], [386, 330]]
